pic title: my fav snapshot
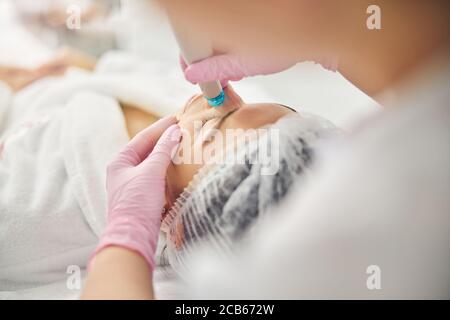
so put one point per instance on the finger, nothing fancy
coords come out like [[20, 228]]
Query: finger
[[183, 63], [143, 143], [161, 155], [222, 68]]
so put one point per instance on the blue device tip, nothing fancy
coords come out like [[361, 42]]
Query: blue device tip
[[217, 101]]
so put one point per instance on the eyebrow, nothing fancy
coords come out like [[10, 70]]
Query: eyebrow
[[282, 105]]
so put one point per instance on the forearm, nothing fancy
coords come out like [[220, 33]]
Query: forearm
[[18, 78], [119, 273]]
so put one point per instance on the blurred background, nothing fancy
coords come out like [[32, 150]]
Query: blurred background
[[31, 32]]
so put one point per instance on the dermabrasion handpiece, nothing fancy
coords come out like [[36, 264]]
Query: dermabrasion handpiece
[[194, 50]]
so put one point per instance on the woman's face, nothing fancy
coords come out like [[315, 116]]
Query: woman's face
[[201, 124]]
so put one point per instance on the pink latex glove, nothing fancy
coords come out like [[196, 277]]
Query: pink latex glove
[[233, 67], [135, 187]]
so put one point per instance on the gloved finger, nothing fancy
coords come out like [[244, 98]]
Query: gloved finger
[[161, 155], [143, 143], [222, 67], [183, 63], [184, 66]]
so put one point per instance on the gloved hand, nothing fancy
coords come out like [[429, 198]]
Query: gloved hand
[[135, 187], [233, 67]]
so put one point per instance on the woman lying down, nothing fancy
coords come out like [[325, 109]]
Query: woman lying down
[[58, 134]]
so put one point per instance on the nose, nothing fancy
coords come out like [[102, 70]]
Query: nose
[[232, 100]]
